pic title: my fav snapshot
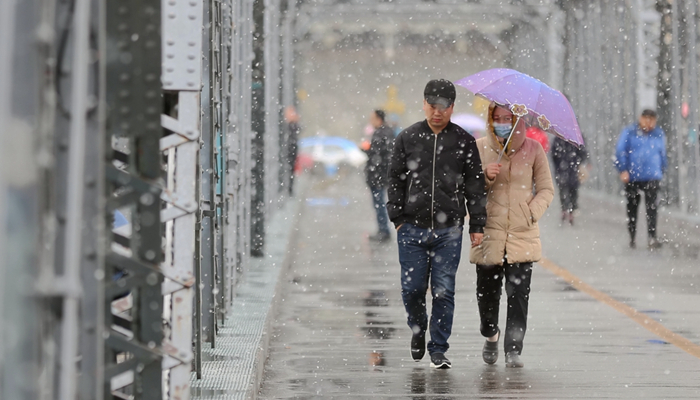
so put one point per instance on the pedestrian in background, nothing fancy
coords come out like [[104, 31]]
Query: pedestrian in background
[[640, 157], [377, 171], [520, 189], [291, 119], [568, 159], [434, 178], [539, 135], [394, 123]]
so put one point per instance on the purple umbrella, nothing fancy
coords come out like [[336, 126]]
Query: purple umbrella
[[525, 95]]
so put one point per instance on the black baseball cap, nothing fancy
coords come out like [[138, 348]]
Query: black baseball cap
[[440, 91]]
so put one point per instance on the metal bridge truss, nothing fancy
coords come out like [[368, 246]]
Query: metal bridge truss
[[135, 113]]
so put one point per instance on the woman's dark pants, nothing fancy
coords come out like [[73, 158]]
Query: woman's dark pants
[[568, 196], [489, 280]]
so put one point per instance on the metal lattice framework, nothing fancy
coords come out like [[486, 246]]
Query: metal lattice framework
[[136, 349], [182, 79], [24, 308], [238, 147]]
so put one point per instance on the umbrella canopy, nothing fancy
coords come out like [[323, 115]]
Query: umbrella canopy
[[525, 95]]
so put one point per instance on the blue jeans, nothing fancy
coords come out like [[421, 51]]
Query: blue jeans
[[430, 255], [379, 202]]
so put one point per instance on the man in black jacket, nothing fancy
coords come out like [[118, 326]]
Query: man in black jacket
[[435, 175], [377, 169]]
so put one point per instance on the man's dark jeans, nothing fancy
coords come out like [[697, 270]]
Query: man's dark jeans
[[489, 280], [379, 202], [429, 256], [650, 189]]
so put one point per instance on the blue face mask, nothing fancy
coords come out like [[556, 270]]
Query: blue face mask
[[502, 130]]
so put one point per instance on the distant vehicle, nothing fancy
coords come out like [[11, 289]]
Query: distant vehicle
[[330, 152]]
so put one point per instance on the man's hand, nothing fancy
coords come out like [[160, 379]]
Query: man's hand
[[492, 170], [476, 238], [625, 176]]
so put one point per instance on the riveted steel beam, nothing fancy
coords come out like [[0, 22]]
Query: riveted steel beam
[[133, 95], [182, 79]]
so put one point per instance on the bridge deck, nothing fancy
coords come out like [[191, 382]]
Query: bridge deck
[[627, 326]]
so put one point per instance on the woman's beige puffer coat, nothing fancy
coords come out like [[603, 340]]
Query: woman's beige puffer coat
[[512, 210]]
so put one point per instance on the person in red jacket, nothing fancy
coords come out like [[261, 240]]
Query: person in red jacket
[[538, 134]]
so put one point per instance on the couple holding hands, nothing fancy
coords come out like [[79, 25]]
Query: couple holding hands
[[438, 173]]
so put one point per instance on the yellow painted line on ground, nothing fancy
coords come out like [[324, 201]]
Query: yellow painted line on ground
[[642, 319]]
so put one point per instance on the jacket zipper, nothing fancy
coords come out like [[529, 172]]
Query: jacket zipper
[[457, 194], [432, 196]]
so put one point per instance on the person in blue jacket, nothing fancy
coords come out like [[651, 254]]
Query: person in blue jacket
[[640, 157]]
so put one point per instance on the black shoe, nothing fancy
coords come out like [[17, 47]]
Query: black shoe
[[513, 360], [633, 245], [380, 237], [418, 346], [490, 350], [439, 361]]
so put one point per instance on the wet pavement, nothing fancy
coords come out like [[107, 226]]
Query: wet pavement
[[340, 328]]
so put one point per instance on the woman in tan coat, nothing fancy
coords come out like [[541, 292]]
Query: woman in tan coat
[[520, 189]]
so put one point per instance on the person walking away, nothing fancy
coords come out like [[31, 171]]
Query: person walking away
[[292, 120], [435, 177], [568, 160], [377, 170], [640, 157], [520, 190]]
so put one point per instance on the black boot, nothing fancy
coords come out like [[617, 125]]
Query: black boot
[[490, 351]]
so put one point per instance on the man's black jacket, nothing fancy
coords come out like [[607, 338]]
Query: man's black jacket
[[379, 157], [434, 178]]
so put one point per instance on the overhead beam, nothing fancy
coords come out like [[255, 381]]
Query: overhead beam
[[420, 17]]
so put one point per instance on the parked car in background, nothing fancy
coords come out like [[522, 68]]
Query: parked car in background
[[330, 153]]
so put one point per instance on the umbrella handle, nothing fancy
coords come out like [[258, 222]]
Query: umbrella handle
[[505, 146]]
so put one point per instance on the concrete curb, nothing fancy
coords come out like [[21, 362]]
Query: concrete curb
[[234, 369], [281, 253]]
